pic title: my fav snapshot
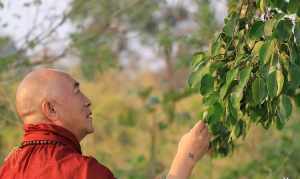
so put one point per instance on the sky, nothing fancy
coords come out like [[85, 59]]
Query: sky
[[20, 19], [23, 19]]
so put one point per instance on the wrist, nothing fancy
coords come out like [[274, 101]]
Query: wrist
[[182, 166]]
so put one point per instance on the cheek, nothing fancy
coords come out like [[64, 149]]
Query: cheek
[[73, 107], [70, 107], [77, 107]]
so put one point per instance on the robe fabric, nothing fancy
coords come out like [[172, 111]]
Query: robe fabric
[[51, 152]]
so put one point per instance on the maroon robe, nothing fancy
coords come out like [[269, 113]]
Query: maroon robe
[[51, 152]]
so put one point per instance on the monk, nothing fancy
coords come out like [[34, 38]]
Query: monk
[[56, 116]]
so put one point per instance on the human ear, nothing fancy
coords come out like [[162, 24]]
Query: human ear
[[49, 110]]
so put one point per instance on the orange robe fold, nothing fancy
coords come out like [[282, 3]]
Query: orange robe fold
[[51, 152]]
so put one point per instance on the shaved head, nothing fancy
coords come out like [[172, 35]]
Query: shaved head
[[36, 86], [52, 96]]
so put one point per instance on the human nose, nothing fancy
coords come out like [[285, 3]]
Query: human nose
[[88, 103]]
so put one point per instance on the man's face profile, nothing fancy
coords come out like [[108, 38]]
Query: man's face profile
[[74, 107]]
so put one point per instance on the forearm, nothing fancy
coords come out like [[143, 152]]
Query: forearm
[[181, 167], [192, 146]]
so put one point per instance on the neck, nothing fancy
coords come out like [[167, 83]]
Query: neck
[[39, 120]]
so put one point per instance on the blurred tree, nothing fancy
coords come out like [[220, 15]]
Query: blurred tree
[[105, 32]]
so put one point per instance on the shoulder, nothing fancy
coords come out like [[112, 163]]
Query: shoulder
[[13, 151], [88, 166]]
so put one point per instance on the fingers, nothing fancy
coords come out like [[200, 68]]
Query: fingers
[[209, 147], [205, 134], [205, 138], [199, 126], [210, 151]]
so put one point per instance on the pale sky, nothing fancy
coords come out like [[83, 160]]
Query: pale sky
[[23, 20], [33, 20]]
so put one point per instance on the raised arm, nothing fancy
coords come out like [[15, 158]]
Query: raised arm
[[192, 146]]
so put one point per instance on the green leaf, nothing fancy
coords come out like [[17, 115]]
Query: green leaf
[[234, 107], [280, 4], [283, 29], [263, 71], [217, 128], [230, 77], [207, 84], [279, 123], [294, 52], [257, 47], [257, 30], [272, 84], [239, 128], [211, 98], [215, 112], [266, 51], [216, 46], [230, 25], [268, 27], [216, 65], [297, 32], [259, 90], [285, 108], [294, 72], [262, 5], [197, 60], [297, 100], [293, 6], [244, 76], [229, 28], [280, 81], [196, 76]]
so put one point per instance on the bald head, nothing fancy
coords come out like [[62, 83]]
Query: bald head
[[39, 85]]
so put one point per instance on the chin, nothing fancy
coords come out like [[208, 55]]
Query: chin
[[90, 128]]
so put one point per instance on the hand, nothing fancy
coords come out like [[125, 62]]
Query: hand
[[195, 143], [192, 147]]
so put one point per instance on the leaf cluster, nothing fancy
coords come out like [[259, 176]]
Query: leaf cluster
[[251, 71]]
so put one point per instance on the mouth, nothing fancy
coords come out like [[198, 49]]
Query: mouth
[[89, 116]]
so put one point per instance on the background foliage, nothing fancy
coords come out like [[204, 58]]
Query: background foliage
[[250, 70]]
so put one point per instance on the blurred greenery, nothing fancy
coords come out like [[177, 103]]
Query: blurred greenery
[[140, 114], [278, 157]]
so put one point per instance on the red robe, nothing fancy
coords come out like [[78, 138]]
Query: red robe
[[51, 152]]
